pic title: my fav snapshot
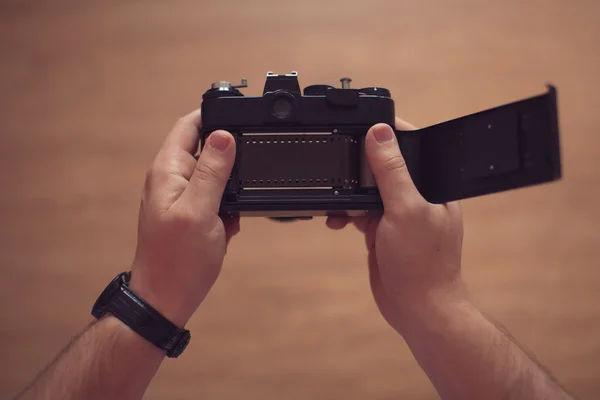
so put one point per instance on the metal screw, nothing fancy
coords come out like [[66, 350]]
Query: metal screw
[[492, 167], [490, 126], [336, 193]]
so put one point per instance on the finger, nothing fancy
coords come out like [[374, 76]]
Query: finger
[[403, 125], [337, 222], [389, 168], [367, 226], [232, 228], [212, 171], [371, 232], [185, 135], [374, 276], [361, 223], [176, 155]]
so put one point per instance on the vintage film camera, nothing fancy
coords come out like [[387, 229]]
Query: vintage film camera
[[300, 153]]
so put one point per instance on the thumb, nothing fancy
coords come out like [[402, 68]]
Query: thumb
[[389, 168], [212, 172]]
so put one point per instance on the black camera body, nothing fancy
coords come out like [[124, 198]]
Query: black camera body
[[300, 153]]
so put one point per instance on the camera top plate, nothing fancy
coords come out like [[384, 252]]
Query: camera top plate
[[284, 104]]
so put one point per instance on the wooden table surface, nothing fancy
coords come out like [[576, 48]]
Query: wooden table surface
[[89, 89]]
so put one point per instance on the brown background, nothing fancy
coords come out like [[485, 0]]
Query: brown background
[[89, 89]]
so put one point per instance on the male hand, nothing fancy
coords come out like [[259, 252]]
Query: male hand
[[414, 248], [181, 239]]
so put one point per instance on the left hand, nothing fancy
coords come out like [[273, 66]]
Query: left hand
[[181, 238]]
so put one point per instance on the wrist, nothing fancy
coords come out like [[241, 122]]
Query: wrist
[[169, 305], [124, 334], [430, 306]]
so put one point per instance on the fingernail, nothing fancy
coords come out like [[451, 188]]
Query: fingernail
[[219, 140], [383, 133]]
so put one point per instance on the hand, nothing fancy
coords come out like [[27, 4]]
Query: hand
[[181, 239], [414, 248]]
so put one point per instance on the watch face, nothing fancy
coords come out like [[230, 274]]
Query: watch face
[[106, 296]]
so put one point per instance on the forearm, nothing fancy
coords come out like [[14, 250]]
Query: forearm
[[107, 361], [467, 356]]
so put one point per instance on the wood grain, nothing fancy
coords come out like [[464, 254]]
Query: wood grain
[[89, 89]]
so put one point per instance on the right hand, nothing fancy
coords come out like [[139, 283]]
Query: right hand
[[414, 248]]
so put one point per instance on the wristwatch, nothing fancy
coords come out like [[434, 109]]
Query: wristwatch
[[142, 318]]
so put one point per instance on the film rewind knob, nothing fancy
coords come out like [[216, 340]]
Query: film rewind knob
[[228, 85]]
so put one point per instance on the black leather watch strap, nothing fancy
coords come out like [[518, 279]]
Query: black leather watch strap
[[141, 317]]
